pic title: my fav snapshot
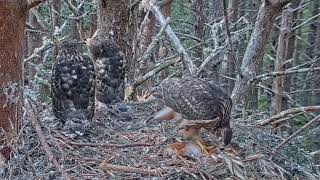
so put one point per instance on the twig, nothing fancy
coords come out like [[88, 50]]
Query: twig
[[189, 36], [209, 58], [174, 39], [44, 143], [74, 9], [287, 112], [152, 73], [39, 50], [107, 145], [305, 22], [280, 73], [127, 169], [148, 53], [315, 152], [296, 133]]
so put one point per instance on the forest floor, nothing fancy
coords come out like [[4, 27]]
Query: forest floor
[[135, 149]]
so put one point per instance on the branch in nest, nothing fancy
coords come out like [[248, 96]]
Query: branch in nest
[[150, 74], [107, 145], [286, 113], [296, 133], [44, 143], [127, 169]]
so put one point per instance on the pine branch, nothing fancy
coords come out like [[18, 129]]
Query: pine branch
[[281, 73], [296, 133], [44, 143], [286, 113]]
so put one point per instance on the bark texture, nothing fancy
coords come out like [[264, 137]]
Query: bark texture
[[230, 58], [215, 12], [255, 49], [278, 82], [163, 50], [12, 24], [199, 23]]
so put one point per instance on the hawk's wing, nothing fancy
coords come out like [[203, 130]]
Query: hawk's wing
[[73, 84], [110, 71], [195, 99]]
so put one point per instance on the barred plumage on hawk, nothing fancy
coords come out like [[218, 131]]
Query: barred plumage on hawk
[[73, 88], [200, 103], [110, 69]]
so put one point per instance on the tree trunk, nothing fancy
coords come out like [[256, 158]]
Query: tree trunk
[[93, 24], [75, 26], [163, 51], [230, 58], [291, 54], [215, 12], [312, 51], [34, 40], [278, 82], [198, 28], [317, 55], [255, 49], [12, 19], [55, 20], [144, 39], [115, 22], [296, 54]]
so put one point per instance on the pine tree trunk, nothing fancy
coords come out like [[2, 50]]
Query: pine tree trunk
[[198, 28], [12, 19], [255, 49], [215, 12], [163, 51], [317, 55], [230, 58], [291, 54], [278, 82], [312, 52], [55, 20]]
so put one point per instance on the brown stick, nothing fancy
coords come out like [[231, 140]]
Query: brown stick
[[127, 169], [287, 112], [44, 143], [107, 145], [150, 74], [296, 133], [281, 73], [148, 53]]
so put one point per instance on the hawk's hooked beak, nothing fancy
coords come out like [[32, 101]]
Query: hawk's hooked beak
[[227, 135]]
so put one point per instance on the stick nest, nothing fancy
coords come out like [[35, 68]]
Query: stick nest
[[134, 149]]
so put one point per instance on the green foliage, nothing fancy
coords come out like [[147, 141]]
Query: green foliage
[[180, 21], [263, 104]]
